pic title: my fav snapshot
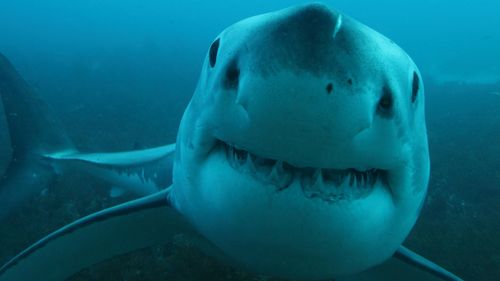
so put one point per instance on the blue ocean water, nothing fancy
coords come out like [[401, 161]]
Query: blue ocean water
[[120, 73]]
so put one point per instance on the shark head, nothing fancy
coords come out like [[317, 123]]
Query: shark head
[[303, 152]]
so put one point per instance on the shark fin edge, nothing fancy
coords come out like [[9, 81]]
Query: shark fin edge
[[133, 225]]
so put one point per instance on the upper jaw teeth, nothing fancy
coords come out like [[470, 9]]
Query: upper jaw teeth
[[275, 172], [326, 184]]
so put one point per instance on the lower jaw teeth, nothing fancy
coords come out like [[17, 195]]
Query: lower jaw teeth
[[326, 184], [348, 186]]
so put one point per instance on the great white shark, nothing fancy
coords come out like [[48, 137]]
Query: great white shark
[[302, 154], [34, 150]]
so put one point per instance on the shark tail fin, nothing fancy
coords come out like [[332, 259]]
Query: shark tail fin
[[30, 124]]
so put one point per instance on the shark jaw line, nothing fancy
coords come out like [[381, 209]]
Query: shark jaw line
[[326, 184]]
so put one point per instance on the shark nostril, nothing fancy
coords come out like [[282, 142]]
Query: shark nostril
[[232, 76], [385, 104], [329, 88]]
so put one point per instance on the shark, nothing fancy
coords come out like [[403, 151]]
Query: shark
[[302, 154], [34, 150]]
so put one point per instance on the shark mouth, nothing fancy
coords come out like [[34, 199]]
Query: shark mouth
[[330, 185]]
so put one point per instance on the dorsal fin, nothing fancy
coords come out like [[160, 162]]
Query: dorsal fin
[[31, 125]]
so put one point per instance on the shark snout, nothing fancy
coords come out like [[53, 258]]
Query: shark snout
[[306, 79], [306, 38], [316, 22]]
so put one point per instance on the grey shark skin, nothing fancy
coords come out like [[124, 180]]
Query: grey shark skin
[[304, 122], [34, 148], [302, 154]]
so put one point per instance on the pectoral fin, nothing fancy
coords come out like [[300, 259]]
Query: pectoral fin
[[139, 172], [117, 159], [405, 265], [117, 230]]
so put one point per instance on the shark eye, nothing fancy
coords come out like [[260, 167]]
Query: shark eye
[[213, 52], [415, 87]]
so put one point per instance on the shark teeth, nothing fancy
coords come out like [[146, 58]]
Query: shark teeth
[[327, 184], [265, 170], [334, 185]]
